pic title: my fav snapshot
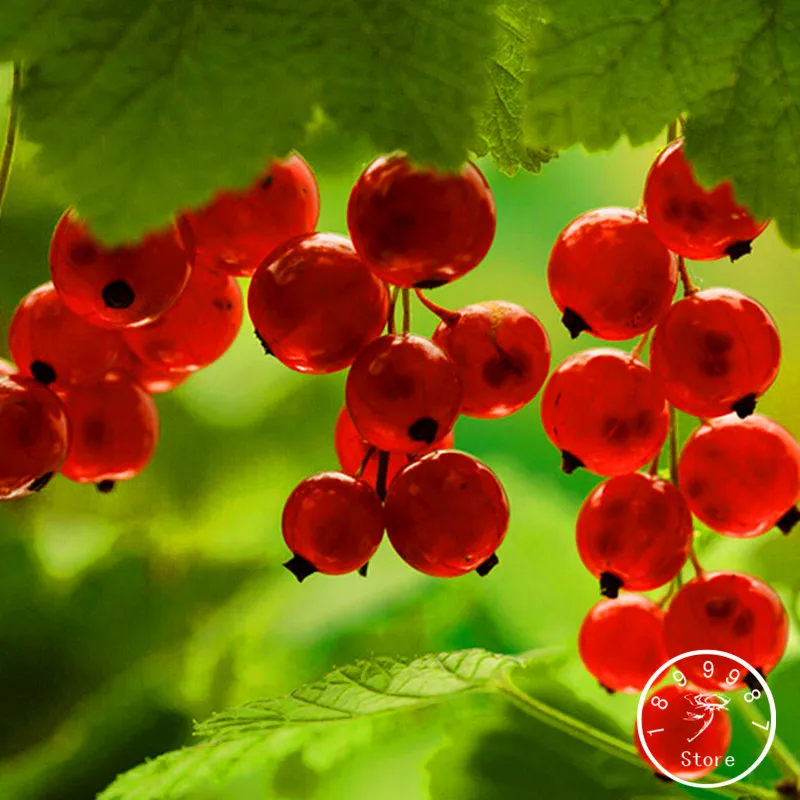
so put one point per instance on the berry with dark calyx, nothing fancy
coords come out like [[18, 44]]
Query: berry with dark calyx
[[34, 431], [403, 393], [605, 411], [315, 304], [671, 713], [446, 514], [741, 476], [114, 429], [621, 642], [415, 227], [118, 287], [716, 351], [610, 275], [237, 230], [731, 612], [636, 529], [55, 346], [332, 523], [692, 221], [197, 330], [155, 378]]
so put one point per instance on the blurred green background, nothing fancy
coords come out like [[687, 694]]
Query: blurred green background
[[124, 617]]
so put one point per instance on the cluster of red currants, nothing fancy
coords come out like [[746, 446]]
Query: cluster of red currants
[[320, 304], [613, 272], [117, 325]]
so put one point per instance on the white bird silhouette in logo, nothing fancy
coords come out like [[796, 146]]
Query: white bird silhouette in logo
[[704, 708]]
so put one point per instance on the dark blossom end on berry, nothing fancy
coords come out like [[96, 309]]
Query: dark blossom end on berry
[[300, 567]]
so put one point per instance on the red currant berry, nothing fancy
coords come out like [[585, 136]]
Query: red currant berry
[[332, 523], [417, 227], [621, 642], [446, 514], [121, 286], [315, 305], [690, 220], [155, 378], [731, 612], [741, 477], [197, 330], [610, 275], [605, 411], [502, 353], [114, 429], [237, 230], [56, 346], [34, 431], [671, 713], [7, 368], [716, 351], [634, 532], [403, 393]]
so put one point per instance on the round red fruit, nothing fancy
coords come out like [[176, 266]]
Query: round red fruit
[[634, 533], [605, 411], [155, 378], [610, 275], [621, 642], [741, 476], [417, 227], [315, 305], [716, 351], [403, 393], [690, 220], [118, 287], [237, 230], [446, 514]]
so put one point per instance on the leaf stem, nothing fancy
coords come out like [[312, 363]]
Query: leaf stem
[[7, 156], [688, 285], [406, 310]]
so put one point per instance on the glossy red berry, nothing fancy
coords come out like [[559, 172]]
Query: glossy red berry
[[610, 275], [621, 642], [34, 433], [197, 330], [155, 378], [403, 393], [741, 477], [716, 351], [690, 220], [605, 411], [502, 353], [446, 514], [332, 523], [417, 227], [114, 429], [237, 230], [731, 612], [315, 305], [120, 286], [634, 533], [670, 721], [56, 346]]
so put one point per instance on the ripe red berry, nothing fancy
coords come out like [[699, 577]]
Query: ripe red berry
[[403, 393], [634, 532], [34, 432], [690, 220], [56, 346], [417, 227], [731, 612], [610, 275], [502, 353], [237, 230], [446, 514], [114, 429], [741, 477], [621, 642], [605, 411], [197, 330], [332, 523], [155, 378], [121, 286], [315, 305], [670, 722], [715, 352]]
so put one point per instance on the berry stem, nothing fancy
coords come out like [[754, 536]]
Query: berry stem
[[688, 286], [673, 585], [383, 471], [641, 344], [445, 314], [698, 567], [653, 470], [673, 446], [364, 461], [390, 324], [406, 310], [7, 157]]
